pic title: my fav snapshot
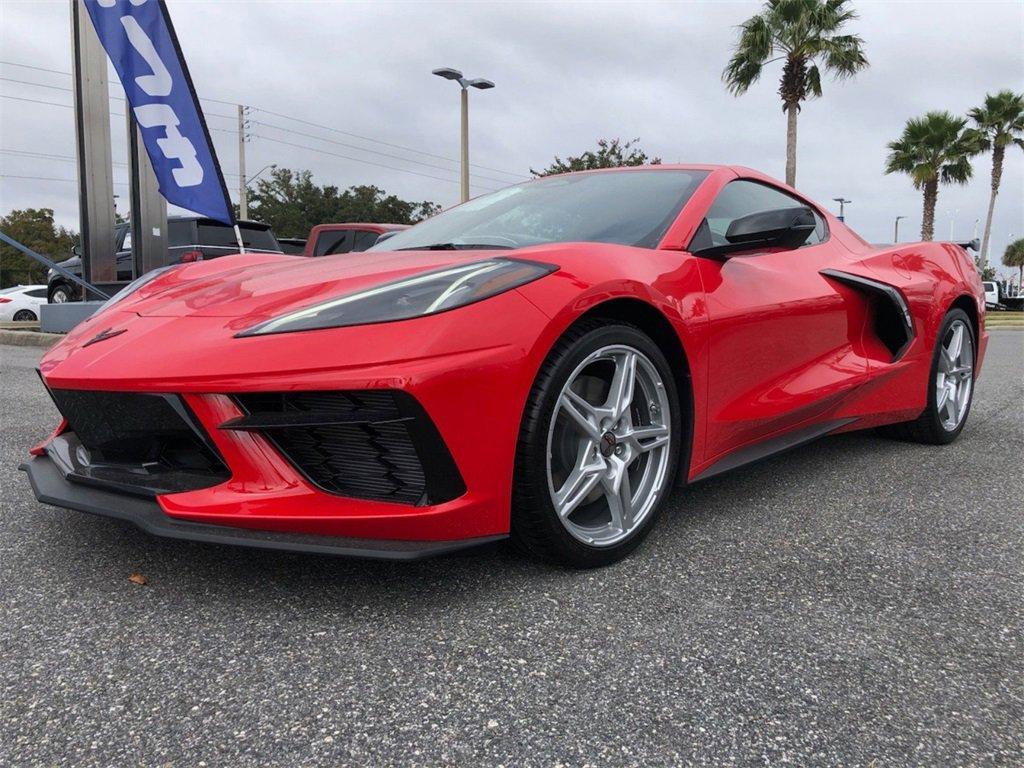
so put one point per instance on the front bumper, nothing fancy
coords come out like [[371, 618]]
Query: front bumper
[[50, 487], [472, 389]]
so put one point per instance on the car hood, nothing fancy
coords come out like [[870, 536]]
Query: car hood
[[256, 287]]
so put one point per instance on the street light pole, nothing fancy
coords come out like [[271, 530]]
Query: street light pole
[[453, 74], [842, 209], [896, 229], [464, 155]]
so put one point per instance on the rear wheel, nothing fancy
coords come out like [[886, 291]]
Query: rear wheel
[[598, 447], [23, 315], [950, 386]]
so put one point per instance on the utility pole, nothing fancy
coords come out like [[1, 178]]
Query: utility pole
[[896, 229], [243, 192]]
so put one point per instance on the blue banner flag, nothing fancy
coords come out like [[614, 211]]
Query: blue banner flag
[[140, 40]]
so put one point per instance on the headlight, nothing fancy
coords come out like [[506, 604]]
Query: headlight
[[424, 294], [133, 286]]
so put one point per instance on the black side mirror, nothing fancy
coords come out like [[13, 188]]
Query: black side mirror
[[780, 228]]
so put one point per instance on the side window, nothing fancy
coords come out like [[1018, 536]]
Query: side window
[[37, 293], [217, 235], [179, 233], [126, 244], [742, 198], [364, 240], [339, 241]]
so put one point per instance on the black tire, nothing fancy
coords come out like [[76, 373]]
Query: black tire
[[24, 315], [60, 294], [928, 428], [535, 528]]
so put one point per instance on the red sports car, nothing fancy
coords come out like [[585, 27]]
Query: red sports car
[[542, 363]]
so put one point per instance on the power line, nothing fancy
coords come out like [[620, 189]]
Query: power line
[[65, 158], [32, 66], [112, 95], [359, 160], [51, 178], [515, 174], [384, 143], [371, 151]]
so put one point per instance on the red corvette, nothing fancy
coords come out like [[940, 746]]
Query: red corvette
[[543, 363]]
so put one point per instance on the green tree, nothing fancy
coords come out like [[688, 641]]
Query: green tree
[[999, 123], [1013, 256], [805, 34], [34, 228], [292, 203], [611, 153], [933, 149]]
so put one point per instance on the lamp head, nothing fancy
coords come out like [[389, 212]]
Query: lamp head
[[448, 73]]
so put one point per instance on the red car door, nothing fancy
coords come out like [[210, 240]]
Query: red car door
[[782, 337]]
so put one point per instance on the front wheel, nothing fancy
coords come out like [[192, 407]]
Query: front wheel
[[950, 386], [598, 447]]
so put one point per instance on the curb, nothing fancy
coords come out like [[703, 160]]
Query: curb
[[29, 338]]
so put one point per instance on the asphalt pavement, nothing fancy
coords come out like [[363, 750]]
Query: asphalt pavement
[[856, 602]]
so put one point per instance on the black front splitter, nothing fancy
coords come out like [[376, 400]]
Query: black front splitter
[[50, 487]]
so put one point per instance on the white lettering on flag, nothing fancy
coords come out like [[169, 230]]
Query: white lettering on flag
[[174, 146], [159, 83]]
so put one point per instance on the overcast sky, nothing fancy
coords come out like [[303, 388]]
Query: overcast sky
[[566, 74]]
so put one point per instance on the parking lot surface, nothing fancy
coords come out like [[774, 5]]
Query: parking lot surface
[[857, 602]]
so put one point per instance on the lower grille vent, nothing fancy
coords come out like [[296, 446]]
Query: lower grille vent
[[368, 444]]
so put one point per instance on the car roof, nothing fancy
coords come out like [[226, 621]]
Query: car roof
[[366, 225], [206, 220]]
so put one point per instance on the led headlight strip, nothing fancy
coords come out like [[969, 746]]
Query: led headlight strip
[[427, 293]]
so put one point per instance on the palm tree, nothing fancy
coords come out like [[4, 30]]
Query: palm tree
[[805, 34], [1014, 257], [933, 149], [998, 124]]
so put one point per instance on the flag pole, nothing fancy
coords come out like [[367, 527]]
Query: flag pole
[[238, 238]]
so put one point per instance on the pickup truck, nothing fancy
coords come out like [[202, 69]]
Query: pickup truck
[[327, 239], [189, 238]]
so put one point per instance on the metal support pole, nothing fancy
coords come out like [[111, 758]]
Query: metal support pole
[[92, 147], [148, 206], [465, 144], [243, 193]]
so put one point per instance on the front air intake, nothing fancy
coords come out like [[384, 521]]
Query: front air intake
[[368, 444]]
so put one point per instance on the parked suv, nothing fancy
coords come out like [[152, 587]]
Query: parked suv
[[327, 239], [189, 238]]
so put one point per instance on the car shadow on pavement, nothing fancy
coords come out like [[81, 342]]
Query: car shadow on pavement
[[224, 573]]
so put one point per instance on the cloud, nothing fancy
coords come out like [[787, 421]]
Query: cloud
[[566, 74]]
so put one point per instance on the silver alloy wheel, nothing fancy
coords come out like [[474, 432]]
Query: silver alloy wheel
[[609, 445], [59, 296], [954, 381]]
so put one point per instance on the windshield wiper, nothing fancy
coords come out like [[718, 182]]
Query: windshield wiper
[[457, 247]]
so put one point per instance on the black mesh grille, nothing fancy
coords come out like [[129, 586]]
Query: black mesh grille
[[143, 443], [371, 444]]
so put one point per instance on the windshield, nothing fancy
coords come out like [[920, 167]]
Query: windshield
[[627, 207]]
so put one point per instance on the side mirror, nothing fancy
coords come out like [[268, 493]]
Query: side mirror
[[76, 250], [786, 228]]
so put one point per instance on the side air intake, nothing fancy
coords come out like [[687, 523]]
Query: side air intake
[[890, 315]]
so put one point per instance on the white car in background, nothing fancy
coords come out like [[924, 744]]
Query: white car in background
[[21, 302], [991, 294]]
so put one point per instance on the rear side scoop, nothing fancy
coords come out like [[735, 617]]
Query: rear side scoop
[[891, 316]]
